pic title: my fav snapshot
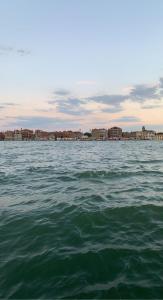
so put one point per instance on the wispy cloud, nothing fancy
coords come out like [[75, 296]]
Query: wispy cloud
[[23, 52], [161, 82], [41, 122], [5, 50], [86, 82], [4, 105], [112, 110], [61, 92], [151, 106], [108, 99], [112, 101], [70, 106], [44, 110], [143, 94], [8, 103], [74, 111], [138, 93], [127, 119]]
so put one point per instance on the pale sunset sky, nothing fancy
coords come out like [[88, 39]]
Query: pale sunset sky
[[80, 64]]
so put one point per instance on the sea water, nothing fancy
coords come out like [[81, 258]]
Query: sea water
[[81, 220]]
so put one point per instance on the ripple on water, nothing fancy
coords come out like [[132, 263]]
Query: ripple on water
[[81, 220]]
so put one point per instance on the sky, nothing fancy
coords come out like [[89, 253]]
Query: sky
[[81, 64]]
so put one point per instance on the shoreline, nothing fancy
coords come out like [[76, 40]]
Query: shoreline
[[64, 140]]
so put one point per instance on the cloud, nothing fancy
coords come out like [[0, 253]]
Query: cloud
[[23, 52], [5, 50], [61, 92], [70, 106], [141, 93], [145, 95], [112, 110], [4, 105], [73, 112], [138, 93], [86, 82], [73, 102], [108, 99], [151, 106], [43, 109], [41, 122], [8, 103], [51, 102], [127, 119], [161, 82], [114, 102]]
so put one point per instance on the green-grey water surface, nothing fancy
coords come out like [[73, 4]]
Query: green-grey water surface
[[81, 220]]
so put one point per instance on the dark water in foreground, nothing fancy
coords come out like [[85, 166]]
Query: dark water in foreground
[[81, 220]]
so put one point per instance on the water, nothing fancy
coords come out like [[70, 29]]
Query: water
[[81, 220]]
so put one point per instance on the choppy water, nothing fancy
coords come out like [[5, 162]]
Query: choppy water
[[81, 220]]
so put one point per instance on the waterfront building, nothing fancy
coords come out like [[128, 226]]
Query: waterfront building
[[27, 134], [133, 135], [2, 136], [17, 135], [41, 135], [139, 135], [99, 134], [115, 133], [52, 136], [9, 135], [145, 134], [126, 135], [84, 138], [78, 134], [159, 136], [65, 135], [148, 134], [72, 135]]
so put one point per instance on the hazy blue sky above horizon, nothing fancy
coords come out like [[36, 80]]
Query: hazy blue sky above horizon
[[81, 63]]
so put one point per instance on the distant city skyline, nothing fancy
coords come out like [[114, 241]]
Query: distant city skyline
[[99, 134], [81, 64]]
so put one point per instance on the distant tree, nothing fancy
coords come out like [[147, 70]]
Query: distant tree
[[88, 134]]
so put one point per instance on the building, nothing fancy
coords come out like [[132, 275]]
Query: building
[[159, 136], [145, 134], [78, 134], [69, 135], [41, 135], [126, 135], [27, 134], [148, 134], [133, 135], [84, 138], [115, 133], [17, 135], [99, 134], [9, 135], [65, 135], [139, 135], [2, 136]]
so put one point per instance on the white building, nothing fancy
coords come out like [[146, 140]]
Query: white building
[[99, 134], [159, 136], [145, 134], [17, 136]]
